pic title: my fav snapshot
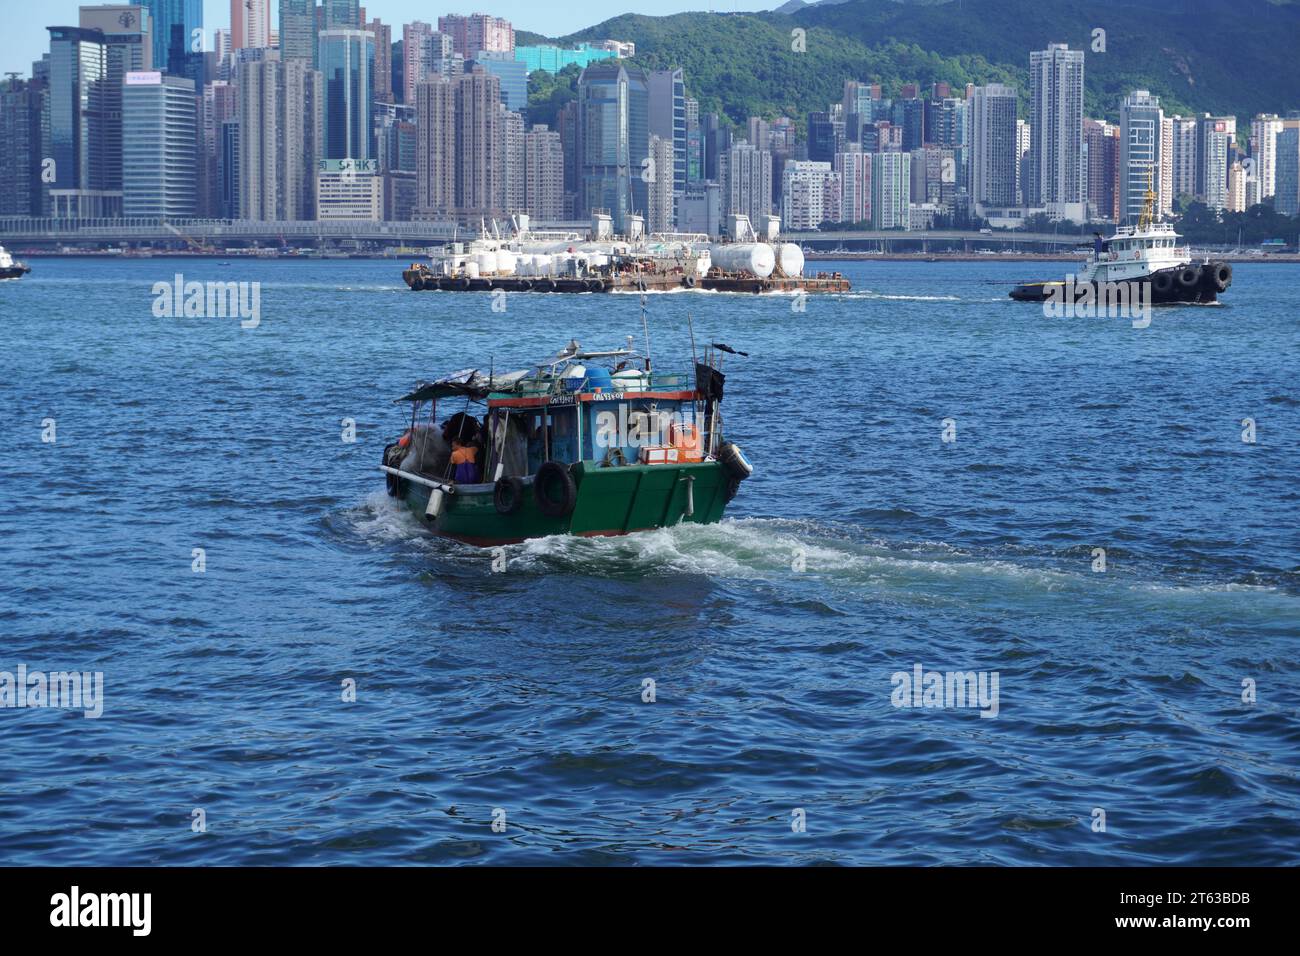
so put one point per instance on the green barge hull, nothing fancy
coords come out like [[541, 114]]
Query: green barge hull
[[610, 501]]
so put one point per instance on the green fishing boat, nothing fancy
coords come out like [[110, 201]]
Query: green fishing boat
[[586, 443]]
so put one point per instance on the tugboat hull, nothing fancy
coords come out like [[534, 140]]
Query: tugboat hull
[[609, 501], [1200, 284], [14, 271]]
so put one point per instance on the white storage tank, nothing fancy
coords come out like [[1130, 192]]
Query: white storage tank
[[756, 258], [791, 258], [486, 262], [471, 269], [505, 263]]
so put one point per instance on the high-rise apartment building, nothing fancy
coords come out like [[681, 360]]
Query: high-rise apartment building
[[810, 195], [1101, 147], [280, 139], [891, 190], [659, 192], [854, 168], [993, 145], [1055, 178], [383, 34], [479, 31], [746, 179], [543, 174], [250, 24], [1264, 130]]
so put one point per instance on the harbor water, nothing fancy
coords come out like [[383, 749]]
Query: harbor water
[[1098, 520]]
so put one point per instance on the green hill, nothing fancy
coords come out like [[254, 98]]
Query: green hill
[[1215, 56]]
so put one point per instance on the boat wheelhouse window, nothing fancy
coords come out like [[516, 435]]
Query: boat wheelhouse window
[[552, 436], [620, 429]]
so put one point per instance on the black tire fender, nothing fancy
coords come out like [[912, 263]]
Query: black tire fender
[[1220, 275], [555, 490], [1162, 282], [1189, 277], [734, 461], [508, 495]]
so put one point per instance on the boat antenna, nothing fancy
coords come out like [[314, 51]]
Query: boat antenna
[[690, 327], [645, 324]]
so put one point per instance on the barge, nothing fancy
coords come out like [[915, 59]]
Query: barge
[[526, 260], [420, 277]]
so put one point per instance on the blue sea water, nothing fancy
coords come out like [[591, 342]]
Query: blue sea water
[[864, 545]]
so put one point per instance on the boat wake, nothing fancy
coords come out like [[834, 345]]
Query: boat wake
[[846, 560]]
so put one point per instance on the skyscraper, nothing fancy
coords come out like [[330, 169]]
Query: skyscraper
[[75, 137], [1214, 150], [746, 174], [436, 149], [279, 138], [1183, 146], [21, 105], [854, 168], [1056, 147], [1140, 120], [543, 174], [660, 194], [177, 35], [1264, 130], [667, 120], [476, 32], [128, 48], [1286, 181], [991, 117], [250, 24], [383, 35], [613, 140], [1101, 145], [347, 67], [891, 189], [298, 31], [159, 144], [341, 14], [1264, 150], [479, 163]]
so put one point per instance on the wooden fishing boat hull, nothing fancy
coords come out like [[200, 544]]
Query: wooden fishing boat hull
[[609, 501]]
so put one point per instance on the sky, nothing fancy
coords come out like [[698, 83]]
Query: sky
[[24, 37]]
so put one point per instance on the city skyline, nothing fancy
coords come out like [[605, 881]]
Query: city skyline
[[335, 121]]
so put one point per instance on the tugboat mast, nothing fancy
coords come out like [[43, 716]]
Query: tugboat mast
[[1148, 217]]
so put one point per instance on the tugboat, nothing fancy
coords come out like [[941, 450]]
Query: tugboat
[[1135, 256], [589, 443], [10, 269]]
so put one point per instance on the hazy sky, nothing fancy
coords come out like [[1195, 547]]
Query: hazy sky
[[23, 38]]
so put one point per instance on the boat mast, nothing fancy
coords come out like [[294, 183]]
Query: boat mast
[[1148, 204]]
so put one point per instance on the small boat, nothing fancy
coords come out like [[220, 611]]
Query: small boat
[[9, 269], [589, 443], [1143, 260]]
